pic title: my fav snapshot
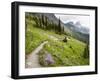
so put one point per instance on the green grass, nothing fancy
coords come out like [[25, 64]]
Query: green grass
[[34, 38], [67, 54], [64, 54]]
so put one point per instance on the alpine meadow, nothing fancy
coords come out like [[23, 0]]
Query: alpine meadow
[[55, 40]]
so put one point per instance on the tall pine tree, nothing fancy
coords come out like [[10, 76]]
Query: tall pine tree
[[63, 29], [59, 26], [86, 51], [42, 21]]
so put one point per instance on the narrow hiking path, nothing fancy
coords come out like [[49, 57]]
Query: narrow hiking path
[[32, 60], [51, 37]]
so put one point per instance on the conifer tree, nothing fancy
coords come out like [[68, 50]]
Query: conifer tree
[[63, 29], [59, 26], [42, 21], [46, 22], [86, 51]]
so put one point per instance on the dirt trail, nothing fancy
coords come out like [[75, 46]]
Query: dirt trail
[[32, 60]]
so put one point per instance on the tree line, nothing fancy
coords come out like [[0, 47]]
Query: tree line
[[43, 22]]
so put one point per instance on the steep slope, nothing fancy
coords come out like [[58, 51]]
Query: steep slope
[[61, 53], [53, 19], [81, 33]]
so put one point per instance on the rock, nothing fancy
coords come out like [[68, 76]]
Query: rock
[[65, 39], [49, 59]]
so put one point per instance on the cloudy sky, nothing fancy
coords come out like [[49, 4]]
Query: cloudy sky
[[83, 19]]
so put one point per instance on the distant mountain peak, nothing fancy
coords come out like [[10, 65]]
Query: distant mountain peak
[[77, 27], [78, 23]]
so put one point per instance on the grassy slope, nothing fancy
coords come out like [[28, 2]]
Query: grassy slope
[[64, 54]]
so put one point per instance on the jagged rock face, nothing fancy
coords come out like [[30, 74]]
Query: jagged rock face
[[78, 31]]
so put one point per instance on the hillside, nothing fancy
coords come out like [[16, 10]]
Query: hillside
[[56, 52], [77, 31]]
